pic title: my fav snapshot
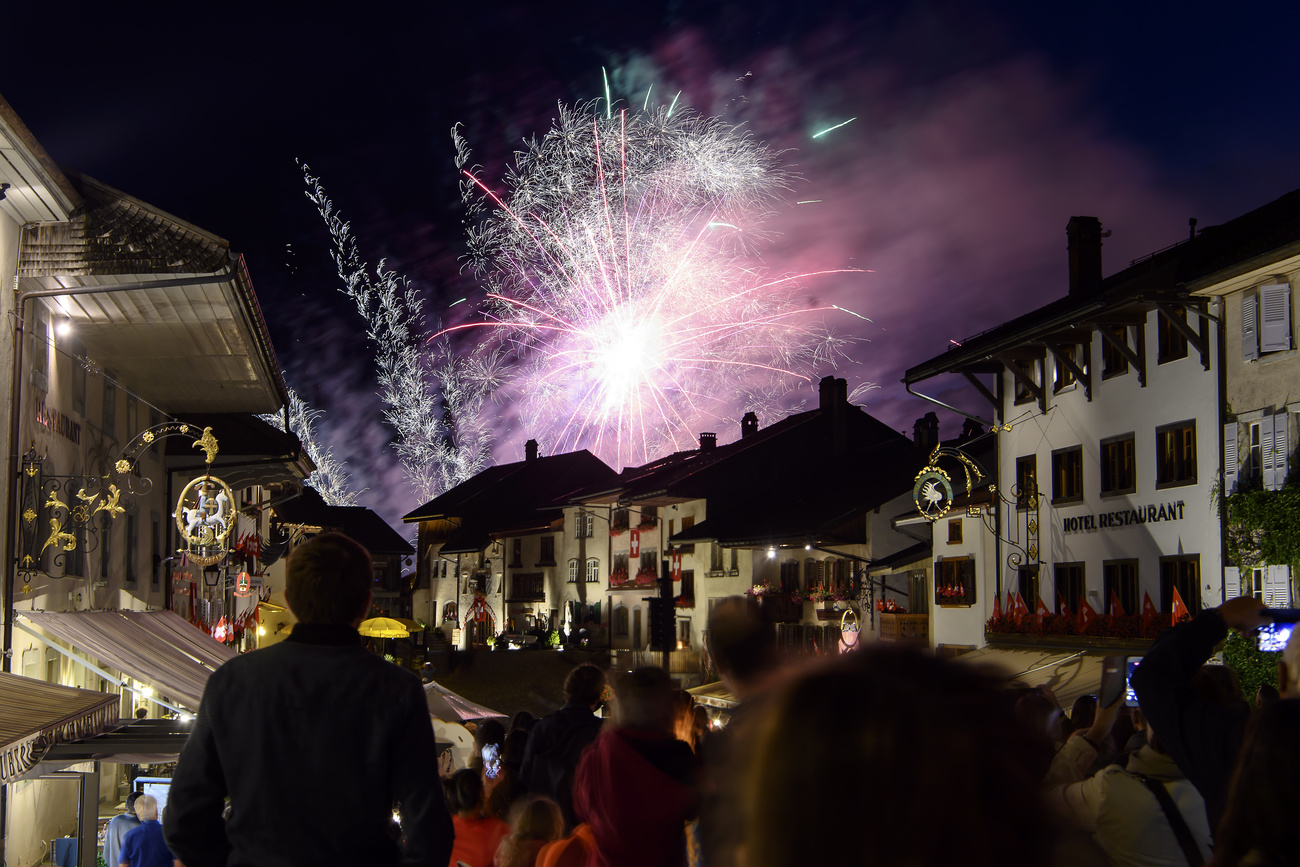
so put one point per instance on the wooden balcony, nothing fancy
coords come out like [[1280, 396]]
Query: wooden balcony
[[905, 627]]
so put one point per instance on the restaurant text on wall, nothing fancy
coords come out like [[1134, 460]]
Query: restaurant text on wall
[[1149, 514]]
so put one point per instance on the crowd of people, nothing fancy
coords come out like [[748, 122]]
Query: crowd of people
[[885, 755]]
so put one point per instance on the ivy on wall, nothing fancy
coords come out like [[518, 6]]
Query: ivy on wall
[[1263, 526]]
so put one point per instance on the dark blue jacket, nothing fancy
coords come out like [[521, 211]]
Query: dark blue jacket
[[555, 745], [315, 741]]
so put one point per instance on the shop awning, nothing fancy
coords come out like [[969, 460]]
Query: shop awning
[[39, 714], [714, 695], [159, 648], [1067, 673]]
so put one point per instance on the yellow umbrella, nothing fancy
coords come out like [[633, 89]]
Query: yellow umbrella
[[382, 627], [411, 625]]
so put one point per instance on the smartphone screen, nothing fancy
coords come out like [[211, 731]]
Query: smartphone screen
[[1130, 697], [491, 761], [1272, 637]]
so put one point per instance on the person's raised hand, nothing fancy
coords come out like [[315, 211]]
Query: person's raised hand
[[1244, 614]]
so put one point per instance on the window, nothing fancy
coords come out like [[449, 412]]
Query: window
[[547, 557], [649, 514], [1032, 368], [110, 407], [1120, 584], [584, 525], [1118, 472], [789, 576], [1256, 455], [1252, 583], [1183, 572], [132, 548], [105, 546], [1070, 586], [1113, 362], [650, 562], [688, 521], [954, 581], [688, 585], [1176, 454], [573, 571], [1067, 475], [1266, 320], [517, 551], [156, 546], [449, 612], [618, 519], [620, 622], [1026, 492], [1027, 584], [1064, 375], [717, 556], [1269, 450], [593, 570], [734, 568], [839, 574], [954, 531], [1171, 345], [619, 570], [527, 586], [813, 573]]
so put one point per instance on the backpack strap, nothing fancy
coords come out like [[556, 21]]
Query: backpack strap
[[1176, 821]]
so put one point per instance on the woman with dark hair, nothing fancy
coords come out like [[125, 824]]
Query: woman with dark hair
[[926, 765], [1259, 826], [477, 835]]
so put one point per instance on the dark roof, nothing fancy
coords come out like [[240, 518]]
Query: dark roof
[[1233, 247], [513, 498], [250, 451], [812, 476], [901, 558], [360, 523], [113, 233]]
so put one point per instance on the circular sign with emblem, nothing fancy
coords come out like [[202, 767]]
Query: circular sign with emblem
[[932, 493], [205, 518]]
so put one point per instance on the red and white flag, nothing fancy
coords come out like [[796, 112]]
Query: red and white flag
[[1086, 615], [1065, 608], [1042, 608], [1022, 610], [1011, 604], [1115, 606], [997, 608], [1180, 607], [676, 560], [635, 544]]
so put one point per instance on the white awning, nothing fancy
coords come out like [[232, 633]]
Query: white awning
[[1067, 673], [159, 648], [38, 715]]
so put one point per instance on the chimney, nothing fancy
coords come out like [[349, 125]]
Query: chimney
[[748, 424], [708, 442], [826, 393], [925, 433], [530, 450], [834, 397], [1084, 237], [971, 429]]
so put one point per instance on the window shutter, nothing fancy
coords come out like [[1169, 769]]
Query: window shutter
[[1277, 587], [1249, 326], [1231, 583], [1275, 317], [1281, 422], [1230, 457], [1266, 451]]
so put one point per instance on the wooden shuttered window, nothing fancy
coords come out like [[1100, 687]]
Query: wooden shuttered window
[[1275, 317], [1230, 457], [1250, 326]]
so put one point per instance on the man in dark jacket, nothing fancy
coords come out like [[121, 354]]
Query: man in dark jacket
[[315, 742], [1203, 737], [557, 740]]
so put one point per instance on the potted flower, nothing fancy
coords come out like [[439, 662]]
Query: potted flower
[[760, 590], [684, 602]]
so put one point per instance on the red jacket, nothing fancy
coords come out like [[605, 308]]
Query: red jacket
[[637, 811]]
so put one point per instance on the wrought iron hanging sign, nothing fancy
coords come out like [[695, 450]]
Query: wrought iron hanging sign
[[932, 490]]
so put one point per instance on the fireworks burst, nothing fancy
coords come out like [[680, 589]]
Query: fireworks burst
[[626, 306], [330, 478]]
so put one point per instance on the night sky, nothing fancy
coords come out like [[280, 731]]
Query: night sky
[[981, 128]]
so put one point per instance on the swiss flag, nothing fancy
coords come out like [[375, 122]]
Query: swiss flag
[[1149, 612], [1042, 609], [1180, 607], [1022, 610], [1115, 607], [1065, 609], [1011, 604], [677, 566], [1086, 615], [997, 608], [635, 543]]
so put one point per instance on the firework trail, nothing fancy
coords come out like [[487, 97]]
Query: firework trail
[[330, 478], [626, 307]]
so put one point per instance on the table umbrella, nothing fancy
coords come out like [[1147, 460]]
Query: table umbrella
[[411, 625], [450, 707], [382, 627]]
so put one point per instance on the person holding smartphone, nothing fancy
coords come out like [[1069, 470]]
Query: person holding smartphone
[[1202, 737]]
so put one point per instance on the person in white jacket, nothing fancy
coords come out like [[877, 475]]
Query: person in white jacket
[[1116, 806]]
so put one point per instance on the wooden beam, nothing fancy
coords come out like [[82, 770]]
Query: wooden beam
[[1024, 378], [981, 387], [1070, 337], [1083, 376], [1120, 318]]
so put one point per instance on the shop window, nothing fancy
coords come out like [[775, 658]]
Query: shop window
[[1067, 475], [1118, 469], [1070, 587], [1171, 345], [1181, 571], [1176, 454], [1026, 492], [1120, 583], [547, 556]]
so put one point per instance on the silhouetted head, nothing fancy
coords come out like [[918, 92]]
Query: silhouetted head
[[584, 685], [327, 580], [741, 643], [645, 700]]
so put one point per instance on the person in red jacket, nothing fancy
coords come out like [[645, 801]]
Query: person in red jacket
[[477, 834], [636, 785]]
